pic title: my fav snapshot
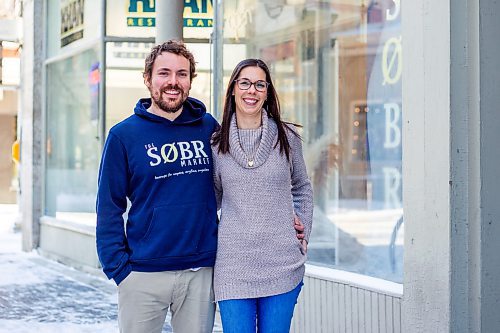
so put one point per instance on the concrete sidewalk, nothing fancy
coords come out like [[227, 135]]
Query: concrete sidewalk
[[40, 295]]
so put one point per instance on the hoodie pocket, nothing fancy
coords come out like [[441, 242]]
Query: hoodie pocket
[[174, 231]]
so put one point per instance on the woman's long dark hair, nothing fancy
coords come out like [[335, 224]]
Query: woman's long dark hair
[[272, 105]]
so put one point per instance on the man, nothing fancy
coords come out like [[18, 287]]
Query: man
[[160, 159]]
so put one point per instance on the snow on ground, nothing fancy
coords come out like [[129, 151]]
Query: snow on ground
[[39, 295], [15, 326], [42, 296], [10, 241]]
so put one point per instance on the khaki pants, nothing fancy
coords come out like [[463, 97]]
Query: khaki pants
[[144, 299]]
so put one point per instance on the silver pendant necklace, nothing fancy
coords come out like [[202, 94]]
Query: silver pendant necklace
[[250, 159]]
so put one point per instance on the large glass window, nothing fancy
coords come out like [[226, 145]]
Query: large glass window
[[72, 139], [125, 84], [337, 68]]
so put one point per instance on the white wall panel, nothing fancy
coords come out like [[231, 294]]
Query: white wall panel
[[341, 302]]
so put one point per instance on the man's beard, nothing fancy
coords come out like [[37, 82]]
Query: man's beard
[[168, 105]]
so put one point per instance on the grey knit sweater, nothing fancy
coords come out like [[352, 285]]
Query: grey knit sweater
[[258, 253]]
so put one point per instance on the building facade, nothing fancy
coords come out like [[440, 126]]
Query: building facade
[[387, 184]]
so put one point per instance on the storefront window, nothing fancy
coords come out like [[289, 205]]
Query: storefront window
[[125, 84], [125, 60], [72, 139], [337, 69]]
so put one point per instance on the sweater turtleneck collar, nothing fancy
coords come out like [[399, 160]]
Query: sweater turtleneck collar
[[267, 141]]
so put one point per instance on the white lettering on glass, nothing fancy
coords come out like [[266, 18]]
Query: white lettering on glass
[[393, 14], [392, 184], [392, 129]]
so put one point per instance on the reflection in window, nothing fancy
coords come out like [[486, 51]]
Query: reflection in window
[[337, 69], [72, 142], [125, 83]]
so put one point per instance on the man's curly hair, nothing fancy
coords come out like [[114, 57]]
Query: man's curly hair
[[171, 46]]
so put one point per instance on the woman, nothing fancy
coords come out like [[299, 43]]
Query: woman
[[261, 182]]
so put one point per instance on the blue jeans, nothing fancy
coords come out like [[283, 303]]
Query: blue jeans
[[272, 314]]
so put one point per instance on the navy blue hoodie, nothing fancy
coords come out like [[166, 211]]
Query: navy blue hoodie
[[165, 169]]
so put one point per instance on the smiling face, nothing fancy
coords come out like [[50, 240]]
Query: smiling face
[[169, 83], [249, 102]]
